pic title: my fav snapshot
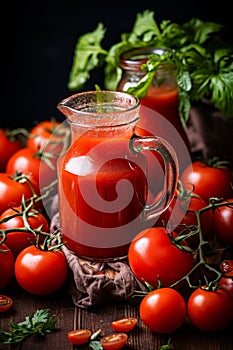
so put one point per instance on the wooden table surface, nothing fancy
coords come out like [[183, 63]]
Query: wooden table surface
[[70, 317]]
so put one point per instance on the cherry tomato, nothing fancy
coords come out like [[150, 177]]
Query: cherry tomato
[[8, 146], [49, 135], [163, 310], [124, 324], [226, 282], [153, 257], [210, 310], [5, 303], [38, 164], [208, 180], [181, 213], [79, 336], [226, 265], [223, 222], [114, 341], [14, 187], [18, 240], [6, 265], [41, 272]]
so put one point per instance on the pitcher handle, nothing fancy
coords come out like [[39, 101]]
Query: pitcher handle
[[171, 167]]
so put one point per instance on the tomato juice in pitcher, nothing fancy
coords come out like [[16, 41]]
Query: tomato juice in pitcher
[[102, 177]]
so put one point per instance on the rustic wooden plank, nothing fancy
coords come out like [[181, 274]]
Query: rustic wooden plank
[[70, 317], [26, 304], [141, 338]]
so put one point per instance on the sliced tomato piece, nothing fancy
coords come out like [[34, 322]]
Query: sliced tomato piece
[[5, 303], [124, 324], [79, 336], [114, 341]]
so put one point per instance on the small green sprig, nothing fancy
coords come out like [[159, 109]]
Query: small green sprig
[[38, 324]]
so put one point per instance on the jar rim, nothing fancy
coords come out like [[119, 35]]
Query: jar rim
[[134, 58]]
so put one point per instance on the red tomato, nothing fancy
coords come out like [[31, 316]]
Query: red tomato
[[153, 257], [223, 222], [49, 135], [226, 265], [226, 282], [181, 213], [114, 341], [210, 310], [79, 336], [6, 265], [14, 187], [41, 272], [5, 303], [163, 310], [18, 240], [8, 146], [124, 324], [208, 181], [41, 167]]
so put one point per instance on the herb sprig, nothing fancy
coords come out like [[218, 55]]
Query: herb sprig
[[38, 324], [203, 61]]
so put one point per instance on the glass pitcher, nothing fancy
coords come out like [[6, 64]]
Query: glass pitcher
[[102, 177]]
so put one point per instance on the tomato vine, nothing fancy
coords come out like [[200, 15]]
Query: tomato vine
[[200, 252]]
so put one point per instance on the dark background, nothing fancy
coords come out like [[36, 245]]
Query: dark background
[[39, 37]]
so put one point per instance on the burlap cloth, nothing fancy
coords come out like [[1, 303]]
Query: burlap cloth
[[95, 283], [210, 134]]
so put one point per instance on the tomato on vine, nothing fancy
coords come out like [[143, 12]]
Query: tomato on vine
[[163, 310], [49, 136], [223, 222], [210, 309], [8, 146], [41, 165], [226, 265], [26, 221], [181, 214], [208, 179], [41, 270], [226, 282], [14, 186], [153, 257]]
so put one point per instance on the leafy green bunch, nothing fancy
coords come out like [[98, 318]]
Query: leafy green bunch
[[204, 63]]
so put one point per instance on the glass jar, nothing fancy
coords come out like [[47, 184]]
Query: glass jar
[[161, 117]]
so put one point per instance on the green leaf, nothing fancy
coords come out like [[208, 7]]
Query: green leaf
[[88, 55], [201, 31], [40, 323], [140, 90], [145, 28], [95, 345], [184, 106], [222, 92], [113, 72]]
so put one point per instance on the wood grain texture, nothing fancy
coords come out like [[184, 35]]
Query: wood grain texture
[[70, 317]]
